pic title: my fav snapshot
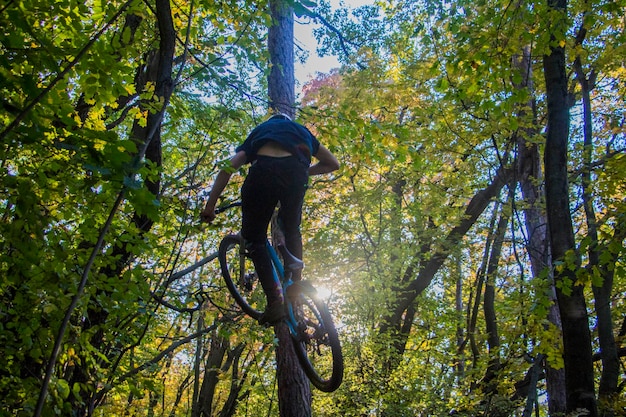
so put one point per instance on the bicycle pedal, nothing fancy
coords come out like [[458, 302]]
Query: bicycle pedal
[[297, 287], [301, 327], [303, 337]]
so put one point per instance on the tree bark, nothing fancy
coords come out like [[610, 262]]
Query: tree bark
[[490, 386], [281, 83], [609, 377], [579, 378], [459, 367], [530, 177], [203, 407], [480, 282], [236, 384], [294, 391]]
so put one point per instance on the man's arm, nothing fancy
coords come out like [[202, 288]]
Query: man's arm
[[221, 181], [326, 162]]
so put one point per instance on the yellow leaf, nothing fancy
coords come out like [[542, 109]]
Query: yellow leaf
[[99, 144]]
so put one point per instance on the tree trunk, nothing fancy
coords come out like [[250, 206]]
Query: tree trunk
[[294, 391], [474, 209], [537, 245], [480, 282], [236, 384], [195, 404], [281, 83], [579, 378], [159, 71], [608, 388], [203, 407], [459, 367], [489, 382], [490, 386]]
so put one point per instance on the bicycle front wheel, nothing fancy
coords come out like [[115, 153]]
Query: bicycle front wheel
[[315, 338], [240, 276]]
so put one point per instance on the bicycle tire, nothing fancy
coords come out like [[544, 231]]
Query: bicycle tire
[[238, 273], [315, 340]]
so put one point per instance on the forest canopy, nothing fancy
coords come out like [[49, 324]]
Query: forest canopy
[[471, 247]]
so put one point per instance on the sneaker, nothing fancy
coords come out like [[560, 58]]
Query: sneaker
[[296, 288], [273, 314]]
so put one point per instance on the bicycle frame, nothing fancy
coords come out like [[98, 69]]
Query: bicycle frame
[[308, 320], [285, 282], [279, 269]]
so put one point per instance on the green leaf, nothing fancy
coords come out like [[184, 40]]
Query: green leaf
[[133, 182], [303, 8], [63, 388]]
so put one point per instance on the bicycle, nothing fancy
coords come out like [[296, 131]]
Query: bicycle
[[314, 336]]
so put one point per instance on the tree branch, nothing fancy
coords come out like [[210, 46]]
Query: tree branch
[[154, 360], [60, 76]]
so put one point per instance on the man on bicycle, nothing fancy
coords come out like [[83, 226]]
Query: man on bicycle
[[279, 151]]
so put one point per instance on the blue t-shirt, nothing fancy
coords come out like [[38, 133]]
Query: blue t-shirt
[[292, 136]]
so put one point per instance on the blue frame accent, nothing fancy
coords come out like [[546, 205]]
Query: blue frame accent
[[279, 276], [279, 270]]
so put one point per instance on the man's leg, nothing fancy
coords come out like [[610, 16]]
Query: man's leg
[[290, 214], [258, 203], [271, 286]]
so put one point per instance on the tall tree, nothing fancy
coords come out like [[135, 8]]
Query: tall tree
[[530, 177], [425, 114], [470, 52], [601, 271], [579, 376], [88, 111], [294, 395]]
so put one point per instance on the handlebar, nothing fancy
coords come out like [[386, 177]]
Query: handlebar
[[228, 206]]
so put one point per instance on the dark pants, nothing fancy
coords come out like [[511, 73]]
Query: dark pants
[[271, 181]]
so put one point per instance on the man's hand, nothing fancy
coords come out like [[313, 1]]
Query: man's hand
[[208, 214]]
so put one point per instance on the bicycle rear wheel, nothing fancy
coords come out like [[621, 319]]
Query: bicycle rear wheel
[[240, 276], [315, 340]]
